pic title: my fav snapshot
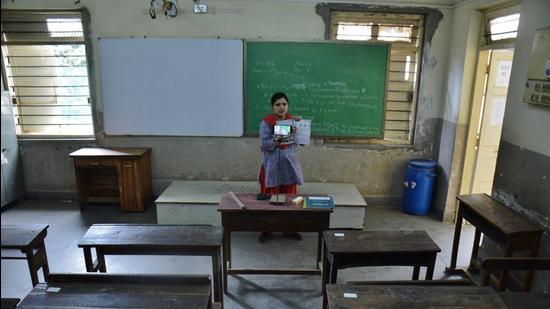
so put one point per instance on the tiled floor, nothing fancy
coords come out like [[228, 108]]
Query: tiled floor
[[68, 225]]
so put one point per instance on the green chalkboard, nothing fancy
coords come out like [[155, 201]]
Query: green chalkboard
[[340, 86]]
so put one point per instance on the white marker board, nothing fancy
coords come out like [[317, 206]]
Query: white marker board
[[178, 87]]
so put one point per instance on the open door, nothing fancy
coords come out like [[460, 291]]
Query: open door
[[489, 102]]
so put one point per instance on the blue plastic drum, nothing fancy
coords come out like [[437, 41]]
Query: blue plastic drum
[[418, 186]]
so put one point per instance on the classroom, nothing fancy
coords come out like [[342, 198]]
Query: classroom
[[424, 123]]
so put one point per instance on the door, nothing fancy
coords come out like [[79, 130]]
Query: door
[[490, 92], [11, 175]]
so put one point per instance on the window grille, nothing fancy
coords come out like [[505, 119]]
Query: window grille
[[45, 63], [404, 33]]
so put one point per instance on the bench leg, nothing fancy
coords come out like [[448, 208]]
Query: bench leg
[[430, 268], [416, 272], [101, 261], [32, 269], [44, 263], [88, 260]]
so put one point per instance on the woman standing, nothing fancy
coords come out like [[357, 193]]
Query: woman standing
[[281, 171]]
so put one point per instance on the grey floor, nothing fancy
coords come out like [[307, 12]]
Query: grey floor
[[68, 225]]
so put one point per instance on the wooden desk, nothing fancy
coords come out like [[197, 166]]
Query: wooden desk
[[502, 225], [29, 239], [406, 296], [154, 239], [120, 175], [352, 248], [120, 291], [260, 216]]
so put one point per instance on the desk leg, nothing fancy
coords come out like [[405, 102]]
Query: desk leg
[[217, 274], [319, 247], [229, 249], [528, 278], [226, 244], [82, 185], [325, 276], [416, 272], [88, 260], [430, 268], [475, 249], [456, 240], [100, 261], [32, 269], [503, 279]]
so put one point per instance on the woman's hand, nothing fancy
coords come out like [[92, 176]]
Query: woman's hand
[[297, 118]]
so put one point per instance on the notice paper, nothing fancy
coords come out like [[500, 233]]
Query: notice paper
[[350, 295]]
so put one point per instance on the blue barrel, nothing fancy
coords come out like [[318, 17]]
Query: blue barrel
[[419, 183]]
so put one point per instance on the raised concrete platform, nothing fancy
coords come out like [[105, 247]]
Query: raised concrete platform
[[196, 202]]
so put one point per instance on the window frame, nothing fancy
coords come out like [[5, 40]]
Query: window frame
[[85, 21], [491, 14], [431, 17]]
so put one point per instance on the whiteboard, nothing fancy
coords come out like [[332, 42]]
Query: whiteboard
[[180, 87]]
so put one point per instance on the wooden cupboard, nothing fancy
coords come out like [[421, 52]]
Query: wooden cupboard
[[121, 175]]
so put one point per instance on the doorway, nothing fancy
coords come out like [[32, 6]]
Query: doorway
[[487, 113]]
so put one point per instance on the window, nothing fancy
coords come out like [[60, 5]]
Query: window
[[404, 33], [501, 26], [45, 64]]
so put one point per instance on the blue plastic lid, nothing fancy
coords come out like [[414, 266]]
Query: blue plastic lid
[[423, 163]]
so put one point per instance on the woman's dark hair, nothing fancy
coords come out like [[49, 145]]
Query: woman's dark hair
[[278, 95]]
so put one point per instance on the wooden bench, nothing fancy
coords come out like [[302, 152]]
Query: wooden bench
[[506, 264], [502, 225], [351, 248], [9, 303], [29, 240], [120, 291], [154, 239], [429, 296]]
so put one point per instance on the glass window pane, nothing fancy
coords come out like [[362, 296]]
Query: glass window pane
[[354, 31], [65, 27], [392, 33], [504, 27]]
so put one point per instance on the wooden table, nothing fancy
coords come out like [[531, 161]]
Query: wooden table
[[154, 239], [502, 225], [352, 248], [120, 175], [29, 239], [120, 291], [407, 296], [261, 216]]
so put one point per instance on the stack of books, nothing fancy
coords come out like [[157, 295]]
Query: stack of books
[[318, 202]]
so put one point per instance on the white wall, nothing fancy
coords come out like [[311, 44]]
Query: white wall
[[376, 169], [527, 125]]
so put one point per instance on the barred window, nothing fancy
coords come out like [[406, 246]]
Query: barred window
[[46, 68], [404, 34]]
